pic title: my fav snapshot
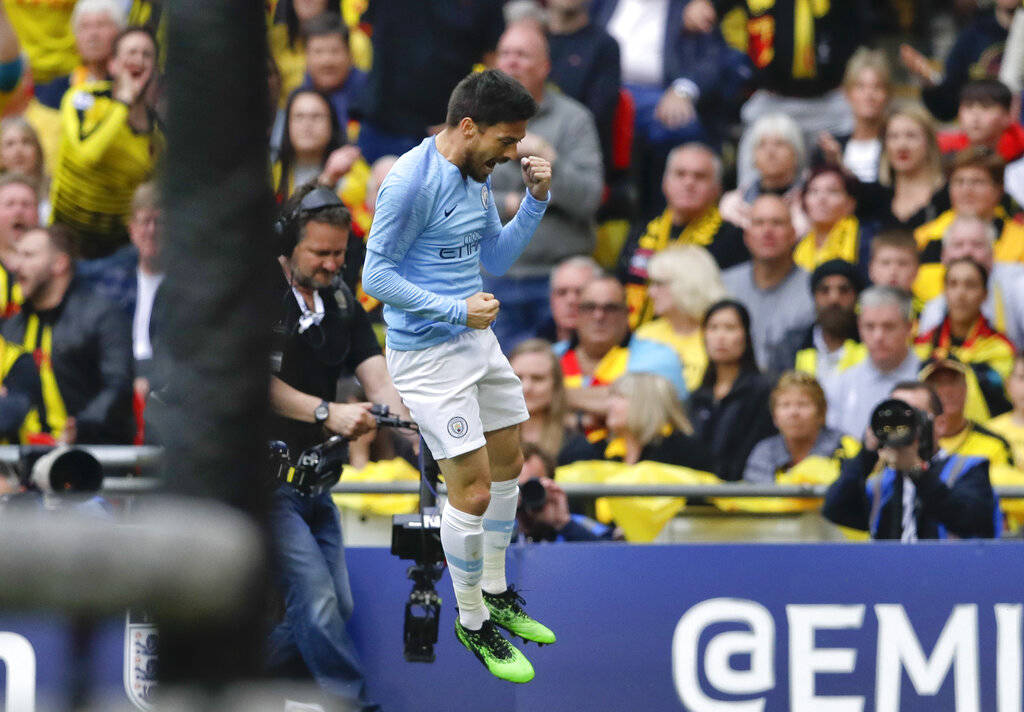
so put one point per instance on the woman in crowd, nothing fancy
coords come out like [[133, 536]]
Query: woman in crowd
[[645, 422], [867, 85], [911, 188], [779, 155], [730, 409], [830, 202], [544, 390], [21, 152], [968, 336], [798, 410], [683, 282]]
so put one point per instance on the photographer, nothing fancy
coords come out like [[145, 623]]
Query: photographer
[[920, 493], [322, 333]]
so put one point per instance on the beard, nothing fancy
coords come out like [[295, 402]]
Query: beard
[[838, 321]]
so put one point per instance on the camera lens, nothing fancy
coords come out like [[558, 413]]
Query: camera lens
[[894, 423], [534, 495]]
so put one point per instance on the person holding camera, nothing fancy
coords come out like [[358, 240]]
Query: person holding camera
[[921, 492], [322, 333]]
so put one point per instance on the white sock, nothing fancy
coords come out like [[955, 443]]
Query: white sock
[[462, 538], [499, 519]]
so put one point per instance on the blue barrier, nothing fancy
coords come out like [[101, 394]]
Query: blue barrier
[[716, 627]]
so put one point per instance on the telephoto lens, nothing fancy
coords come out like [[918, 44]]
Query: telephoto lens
[[533, 495], [895, 423]]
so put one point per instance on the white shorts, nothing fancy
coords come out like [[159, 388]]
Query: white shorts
[[458, 390]]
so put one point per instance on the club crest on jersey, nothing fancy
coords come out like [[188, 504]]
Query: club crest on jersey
[[141, 640], [483, 196], [457, 427]]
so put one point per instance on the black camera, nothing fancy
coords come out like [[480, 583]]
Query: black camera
[[532, 495], [897, 424]]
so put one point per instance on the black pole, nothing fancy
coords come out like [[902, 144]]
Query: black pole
[[215, 337]]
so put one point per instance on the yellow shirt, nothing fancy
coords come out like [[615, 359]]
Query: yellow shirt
[[44, 30], [1013, 430], [979, 441], [291, 60], [690, 348], [841, 243]]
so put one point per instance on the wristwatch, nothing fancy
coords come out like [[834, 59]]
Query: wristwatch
[[322, 412]]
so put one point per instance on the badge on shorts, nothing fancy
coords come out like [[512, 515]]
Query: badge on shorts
[[457, 426], [483, 196]]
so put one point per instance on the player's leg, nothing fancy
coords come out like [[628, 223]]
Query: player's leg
[[505, 458]]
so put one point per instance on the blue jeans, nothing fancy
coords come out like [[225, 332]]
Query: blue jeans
[[309, 568], [525, 305]]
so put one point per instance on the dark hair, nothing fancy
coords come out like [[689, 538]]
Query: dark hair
[[933, 397], [490, 97], [986, 92], [130, 30], [336, 215], [297, 29], [850, 183], [535, 450], [896, 238], [324, 24], [981, 157], [747, 360], [286, 156], [980, 268]]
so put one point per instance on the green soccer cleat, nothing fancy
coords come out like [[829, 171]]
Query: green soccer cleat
[[499, 656], [507, 611]]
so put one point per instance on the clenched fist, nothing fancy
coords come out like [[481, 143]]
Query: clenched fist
[[536, 176], [481, 310]]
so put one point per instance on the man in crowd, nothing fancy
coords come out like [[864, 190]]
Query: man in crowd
[[775, 291], [831, 345], [567, 281], [329, 65], [110, 144], [603, 349], [1004, 305], [692, 185], [80, 340], [885, 322], [563, 133], [923, 493], [19, 211]]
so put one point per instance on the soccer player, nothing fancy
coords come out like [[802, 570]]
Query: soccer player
[[436, 222]]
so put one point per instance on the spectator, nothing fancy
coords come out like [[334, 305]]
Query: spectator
[[779, 154], [771, 286], [562, 132], [798, 410], [684, 282], [955, 433], [442, 41], [329, 67], [986, 119], [830, 202], [730, 409], [585, 65], [81, 342], [45, 33], [885, 320], [799, 53], [131, 276], [975, 190], [968, 336], [1011, 425], [110, 144], [20, 152], [1004, 303], [831, 344], [684, 84], [692, 185], [602, 349], [911, 185], [975, 55], [645, 422], [549, 518], [567, 281], [21, 395], [544, 390], [312, 147], [287, 39], [19, 212], [921, 494], [894, 262], [867, 85]]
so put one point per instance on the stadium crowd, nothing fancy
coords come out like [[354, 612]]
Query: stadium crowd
[[764, 219]]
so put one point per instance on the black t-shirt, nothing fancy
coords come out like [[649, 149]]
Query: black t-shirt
[[312, 361]]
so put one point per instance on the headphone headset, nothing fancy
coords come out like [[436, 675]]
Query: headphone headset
[[288, 223]]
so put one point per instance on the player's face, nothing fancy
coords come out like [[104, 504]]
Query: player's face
[[18, 213], [319, 256], [491, 145]]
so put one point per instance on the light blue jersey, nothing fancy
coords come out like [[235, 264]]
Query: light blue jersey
[[431, 230]]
